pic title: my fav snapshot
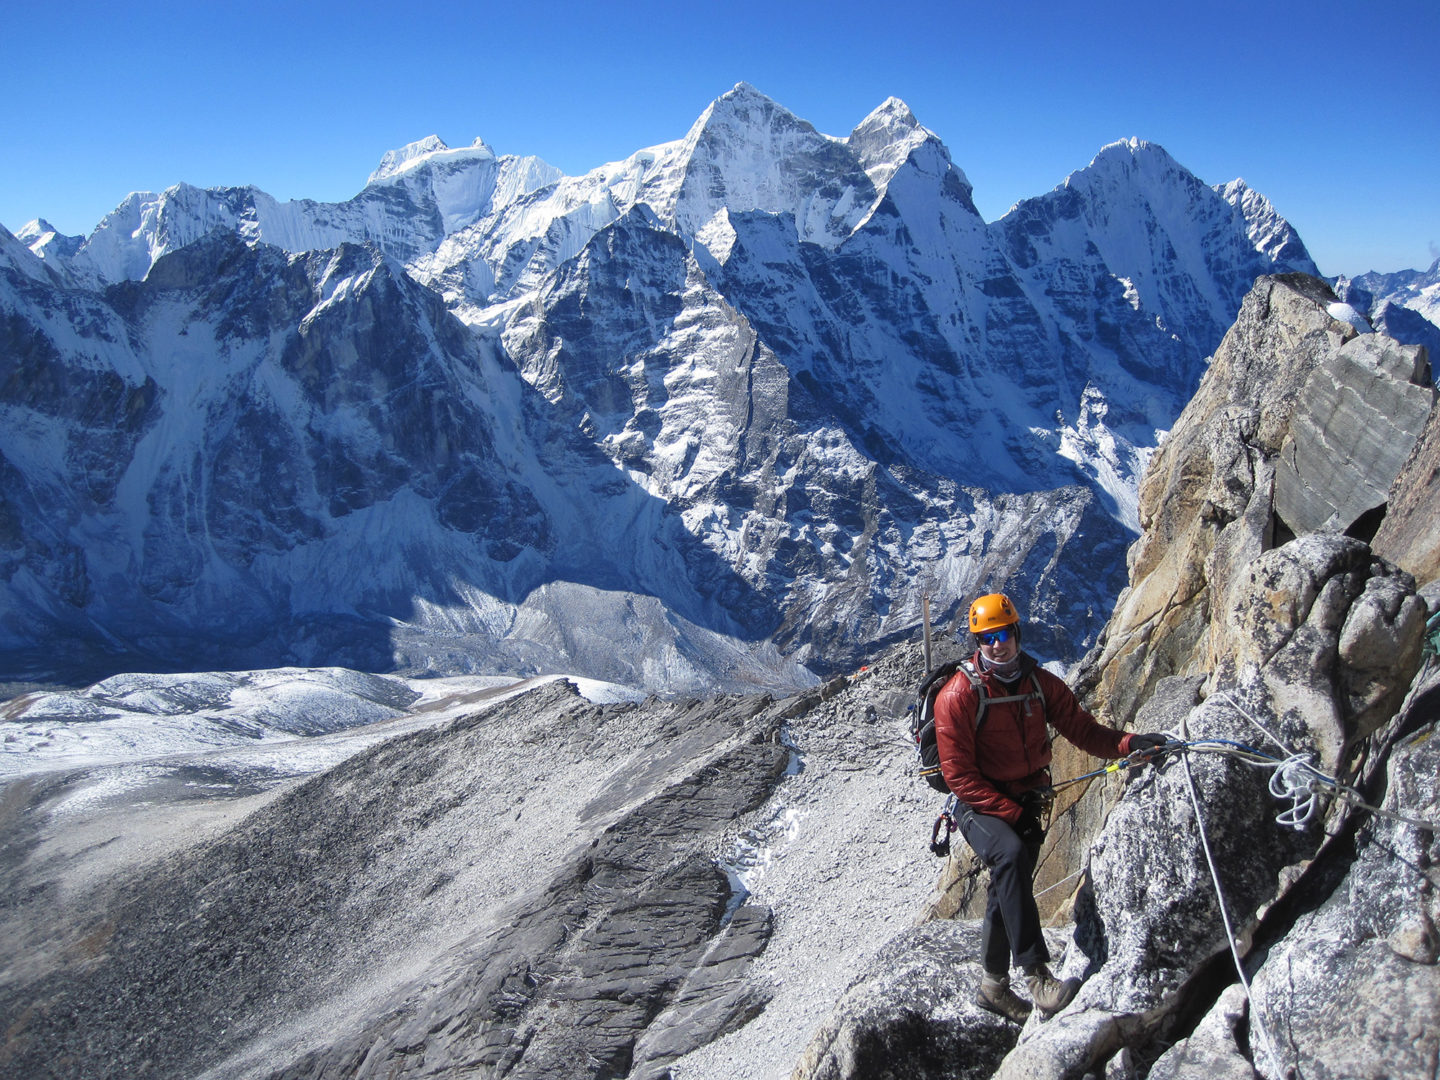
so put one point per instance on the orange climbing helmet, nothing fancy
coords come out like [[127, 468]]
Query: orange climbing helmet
[[991, 612]]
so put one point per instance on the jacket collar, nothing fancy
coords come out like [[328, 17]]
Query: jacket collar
[[1027, 664]]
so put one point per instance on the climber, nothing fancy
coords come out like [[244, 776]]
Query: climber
[[999, 772]]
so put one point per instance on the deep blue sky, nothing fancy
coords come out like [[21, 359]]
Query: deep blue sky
[[1328, 108]]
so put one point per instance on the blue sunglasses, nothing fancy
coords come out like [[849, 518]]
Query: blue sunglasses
[[995, 637]]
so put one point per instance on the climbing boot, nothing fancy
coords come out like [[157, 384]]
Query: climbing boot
[[1049, 993], [995, 994]]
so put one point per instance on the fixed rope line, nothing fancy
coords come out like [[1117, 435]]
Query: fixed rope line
[[1062, 881], [1228, 696], [1293, 778], [1296, 777], [1225, 914]]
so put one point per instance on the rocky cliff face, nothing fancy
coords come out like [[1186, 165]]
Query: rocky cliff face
[[1407, 537], [1299, 416]]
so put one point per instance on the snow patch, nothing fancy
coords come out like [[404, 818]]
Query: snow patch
[[1342, 312]]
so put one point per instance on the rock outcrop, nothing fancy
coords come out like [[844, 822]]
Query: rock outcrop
[[1284, 422], [1356, 421], [1407, 536], [927, 979]]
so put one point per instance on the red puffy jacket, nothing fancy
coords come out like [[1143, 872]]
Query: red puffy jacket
[[1011, 754]]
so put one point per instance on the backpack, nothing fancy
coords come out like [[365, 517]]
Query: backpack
[[922, 720]]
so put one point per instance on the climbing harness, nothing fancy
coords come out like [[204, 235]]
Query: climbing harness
[[1044, 798]]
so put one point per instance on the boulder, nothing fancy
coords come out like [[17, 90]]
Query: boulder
[[1216, 1048], [1332, 634], [912, 1015], [1355, 424]]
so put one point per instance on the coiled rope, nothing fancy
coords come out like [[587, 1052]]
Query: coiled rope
[[1296, 779]]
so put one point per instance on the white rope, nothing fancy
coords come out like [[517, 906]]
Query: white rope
[[1260, 1029], [1295, 780], [1062, 881], [1298, 780], [1228, 696]]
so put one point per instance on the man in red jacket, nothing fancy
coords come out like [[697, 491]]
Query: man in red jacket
[[1000, 772]]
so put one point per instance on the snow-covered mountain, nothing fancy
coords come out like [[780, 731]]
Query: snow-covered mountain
[[1405, 305], [1417, 289], [727, 407]]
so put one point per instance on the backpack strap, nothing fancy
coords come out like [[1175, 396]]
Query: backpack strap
[[985, 699]]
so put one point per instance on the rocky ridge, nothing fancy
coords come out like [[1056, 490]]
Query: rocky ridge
[[1289, 422]]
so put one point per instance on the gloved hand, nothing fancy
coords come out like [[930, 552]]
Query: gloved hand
[[1143, 744], [1029, 829], [1034, 809]]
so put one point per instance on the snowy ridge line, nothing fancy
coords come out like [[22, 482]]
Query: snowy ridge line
[[130, 718], [741, 365]]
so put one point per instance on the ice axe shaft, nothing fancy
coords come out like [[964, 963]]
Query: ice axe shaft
[[925, 611]]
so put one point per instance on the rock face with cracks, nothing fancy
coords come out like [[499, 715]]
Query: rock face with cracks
[[1212, 497], [1334, 920]]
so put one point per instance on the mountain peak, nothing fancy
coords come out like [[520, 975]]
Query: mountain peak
[[1269, 233], [1132, 163], [45, 240], [412, 154], [1132, 150], [892, 122], [743, 91], [33, 230], [891, 112], [890, 132], [744, 113]]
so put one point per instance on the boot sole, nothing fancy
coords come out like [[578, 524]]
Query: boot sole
[[990, 1006]]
